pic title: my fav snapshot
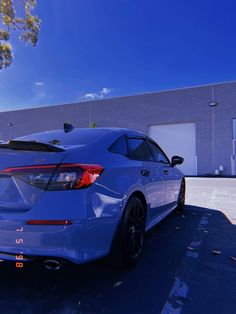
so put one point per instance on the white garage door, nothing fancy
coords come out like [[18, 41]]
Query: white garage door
[[178, 139]]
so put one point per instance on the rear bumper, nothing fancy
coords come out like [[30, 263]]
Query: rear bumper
[[82, 241]]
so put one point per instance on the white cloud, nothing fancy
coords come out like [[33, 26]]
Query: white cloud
[[105, 91], [38, 91], [39, 83], [93, 96]]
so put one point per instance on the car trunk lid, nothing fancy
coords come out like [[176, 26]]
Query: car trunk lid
[[16, 192]]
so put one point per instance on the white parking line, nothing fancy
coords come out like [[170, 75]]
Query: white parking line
[[176, 298], [192, 254], [203, 222], [196, 243], [179, 291]]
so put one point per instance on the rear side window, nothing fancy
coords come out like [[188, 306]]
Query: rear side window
[[119, 146], [138, 149], [158, 154]]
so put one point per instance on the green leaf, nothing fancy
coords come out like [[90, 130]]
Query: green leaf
[[28, 26], [6, 55]]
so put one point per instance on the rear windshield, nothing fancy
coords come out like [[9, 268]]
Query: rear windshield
[[59, 137]]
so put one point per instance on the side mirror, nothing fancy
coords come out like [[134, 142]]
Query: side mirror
[[176, 160]]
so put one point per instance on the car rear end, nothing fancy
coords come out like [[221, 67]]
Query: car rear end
[[53, 203]]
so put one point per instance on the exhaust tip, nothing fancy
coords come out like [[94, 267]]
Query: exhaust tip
[[52, 264]]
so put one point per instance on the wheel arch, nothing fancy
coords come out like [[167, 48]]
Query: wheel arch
[[116, 245], [141, 196], [135, 193]]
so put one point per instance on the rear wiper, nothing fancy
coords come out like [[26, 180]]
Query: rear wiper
[[31, 146]]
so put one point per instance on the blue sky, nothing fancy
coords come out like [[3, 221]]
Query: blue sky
[[91, 49]]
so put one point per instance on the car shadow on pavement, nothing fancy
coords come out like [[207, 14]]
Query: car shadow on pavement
[[96, 288]]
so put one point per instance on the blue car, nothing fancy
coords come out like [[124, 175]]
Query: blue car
[[80, 194]]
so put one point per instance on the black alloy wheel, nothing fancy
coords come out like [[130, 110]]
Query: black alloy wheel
[[128, 242], [135, 228]]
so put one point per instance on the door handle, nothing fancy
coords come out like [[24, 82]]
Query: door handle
[[145, 172], [165, 171]]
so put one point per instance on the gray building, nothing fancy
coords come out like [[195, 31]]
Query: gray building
[[198, 123]]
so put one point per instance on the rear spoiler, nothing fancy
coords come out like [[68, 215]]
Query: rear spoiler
[[31, 146]]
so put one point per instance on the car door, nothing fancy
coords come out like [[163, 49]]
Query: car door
[[168, 174], [150, 174], [162, 166]]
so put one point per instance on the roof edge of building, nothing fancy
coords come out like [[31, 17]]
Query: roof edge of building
[[125, 96]]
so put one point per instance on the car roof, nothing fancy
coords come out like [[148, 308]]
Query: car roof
[[123, 130], [61, 137]]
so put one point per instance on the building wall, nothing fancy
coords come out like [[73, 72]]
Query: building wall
[[213, 125]]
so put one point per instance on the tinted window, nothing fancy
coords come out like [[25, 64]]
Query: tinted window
[[138, 149], [59, 137], [119, 146], [158, 155]]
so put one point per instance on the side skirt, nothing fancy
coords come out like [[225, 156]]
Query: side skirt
[[162, 216]]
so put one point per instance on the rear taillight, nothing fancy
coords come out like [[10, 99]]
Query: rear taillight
[[74, 176], [48, 222], [37, 176], [54, 177]]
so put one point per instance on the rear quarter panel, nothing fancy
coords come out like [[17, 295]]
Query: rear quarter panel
[[122, 177]]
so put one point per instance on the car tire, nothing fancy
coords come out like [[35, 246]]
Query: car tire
[[181, 197], [128, 241]]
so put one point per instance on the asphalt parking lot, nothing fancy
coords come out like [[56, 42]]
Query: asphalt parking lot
[[188, 266]]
